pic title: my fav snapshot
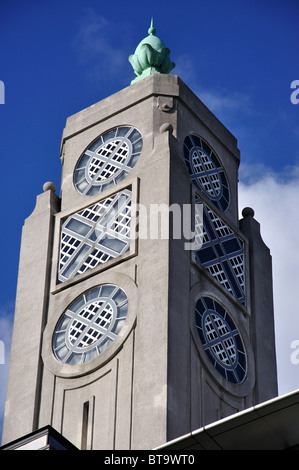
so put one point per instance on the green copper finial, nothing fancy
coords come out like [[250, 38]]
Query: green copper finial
[[152, 29], [151, 56]]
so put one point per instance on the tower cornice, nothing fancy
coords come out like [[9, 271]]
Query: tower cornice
[[153, 85]]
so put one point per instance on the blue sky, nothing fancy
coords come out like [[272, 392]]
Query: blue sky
[[239, 56]]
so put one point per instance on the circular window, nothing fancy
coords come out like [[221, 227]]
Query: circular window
[[220, 339], [108, 160], [90, 324], [206, 171]]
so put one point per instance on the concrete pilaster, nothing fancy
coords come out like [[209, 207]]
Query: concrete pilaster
[[262, 312], [30, 317]]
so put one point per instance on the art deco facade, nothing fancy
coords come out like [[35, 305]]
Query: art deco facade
[[127, 342]]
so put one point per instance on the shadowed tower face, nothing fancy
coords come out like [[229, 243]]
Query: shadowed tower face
[[130, 330]]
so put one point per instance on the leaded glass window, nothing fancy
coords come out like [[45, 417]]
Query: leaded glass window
[[90, 324], [108, 160], [206, 171], [220, 339], [95, 235], [222, 253]]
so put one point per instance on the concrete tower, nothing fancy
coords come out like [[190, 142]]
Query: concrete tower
[[123, 341]]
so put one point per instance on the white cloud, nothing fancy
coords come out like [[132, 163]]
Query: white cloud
[[184, 68], [222, 100], [218, 100], [95, 51], [274, 198], [6, 323]]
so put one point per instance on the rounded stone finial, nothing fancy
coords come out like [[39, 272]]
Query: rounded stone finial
[[49, 186], [248, 212]]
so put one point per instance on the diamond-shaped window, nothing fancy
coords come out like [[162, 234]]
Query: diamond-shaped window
[[95, 235]]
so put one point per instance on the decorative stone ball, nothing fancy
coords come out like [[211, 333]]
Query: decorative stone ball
[[248, 212], [49, 186]]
